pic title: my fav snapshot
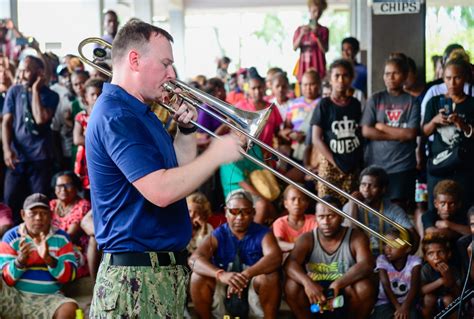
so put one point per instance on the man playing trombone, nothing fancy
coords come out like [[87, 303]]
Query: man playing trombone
[[139, 178]]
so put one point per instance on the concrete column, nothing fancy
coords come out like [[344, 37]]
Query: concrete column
[[389, 33], [176, 23], [359, 19], [143, 10]]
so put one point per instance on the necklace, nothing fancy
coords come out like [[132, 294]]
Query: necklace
[[63, 210]]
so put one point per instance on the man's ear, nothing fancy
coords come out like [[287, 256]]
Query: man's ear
[[133, 59], [22, 212]]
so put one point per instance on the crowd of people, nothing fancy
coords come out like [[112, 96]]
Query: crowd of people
[[251, 240]]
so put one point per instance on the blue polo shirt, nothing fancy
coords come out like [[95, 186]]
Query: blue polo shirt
[[125, 141], [28, 146]]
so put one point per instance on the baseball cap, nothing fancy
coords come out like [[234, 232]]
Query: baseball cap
[[61, 68], [239, 194], [36, 200]]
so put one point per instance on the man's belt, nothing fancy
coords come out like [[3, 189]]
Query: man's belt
[[144, 259]]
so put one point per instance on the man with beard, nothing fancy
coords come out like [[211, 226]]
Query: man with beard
[[330, 260], [26, 134]]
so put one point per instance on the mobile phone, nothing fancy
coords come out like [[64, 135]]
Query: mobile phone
[[330, 293], [312, 23]]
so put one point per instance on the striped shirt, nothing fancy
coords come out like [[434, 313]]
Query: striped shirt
[[37, 277]]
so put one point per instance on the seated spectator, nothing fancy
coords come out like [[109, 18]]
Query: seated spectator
[[36, 259], [336, 133], [289, 227], [280, 86], [447, 219], [67, 212], [399, 286], [373, 183], [331, 256], [93, 88], [6, 219], [199, 211], [440, 281], [255, 102], [239, 241]]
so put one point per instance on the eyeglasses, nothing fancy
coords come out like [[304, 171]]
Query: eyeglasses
[[237, 211], [35, 213], [66, 186]]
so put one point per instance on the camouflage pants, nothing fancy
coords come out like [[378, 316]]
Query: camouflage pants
[[15, 304], [139, 292], [332, 174]]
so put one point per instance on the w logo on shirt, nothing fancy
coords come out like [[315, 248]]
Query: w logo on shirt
[[394, 116]]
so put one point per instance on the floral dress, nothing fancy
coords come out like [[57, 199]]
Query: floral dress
[[75, 215]]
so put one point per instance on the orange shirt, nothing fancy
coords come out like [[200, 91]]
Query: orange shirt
[[285, 232]]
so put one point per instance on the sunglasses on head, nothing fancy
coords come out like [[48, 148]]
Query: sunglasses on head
[[237, 211]]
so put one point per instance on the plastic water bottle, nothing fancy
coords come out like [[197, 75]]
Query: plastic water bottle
[[337, 302]]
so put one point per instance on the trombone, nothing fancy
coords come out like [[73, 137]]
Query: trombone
[[250, 125]]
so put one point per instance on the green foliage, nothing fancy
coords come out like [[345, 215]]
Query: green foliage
[[272, 30], [446, 25]]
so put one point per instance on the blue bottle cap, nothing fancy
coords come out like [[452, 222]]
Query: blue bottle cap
[[315, 308]]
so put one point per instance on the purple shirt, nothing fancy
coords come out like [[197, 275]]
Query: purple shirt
[[207, 120]]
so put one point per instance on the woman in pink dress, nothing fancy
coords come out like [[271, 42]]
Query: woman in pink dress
[[313, 40]]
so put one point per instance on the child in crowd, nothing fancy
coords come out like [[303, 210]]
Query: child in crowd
[[93, 88], [336, 133], [287, 228], [280, 87], [326, 89], [440, 281], [447, 219], [78, 80], [399, 274], [199, 212]]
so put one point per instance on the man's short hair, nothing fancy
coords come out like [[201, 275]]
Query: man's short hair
[[353, 42], [332, 200], [448, 187], [36, 200], [378, 172], [134, 34], [239, 194]]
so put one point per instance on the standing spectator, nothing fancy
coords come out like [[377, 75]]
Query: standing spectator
[[390, 123], [449, 119], [336, 133], [237, 85], [93, 88], [111, 24], [400, 279], [36, 259], [350, 47], [68, 210], [330, 256], [313, 41], [26, 134], [373, 184], [62, 123], [238, 242], [222, 68]]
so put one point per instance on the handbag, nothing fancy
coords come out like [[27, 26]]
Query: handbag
[[235, 306], [447, 161], [265, 183]]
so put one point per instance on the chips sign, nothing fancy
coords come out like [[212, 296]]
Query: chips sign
[[384, 7]]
